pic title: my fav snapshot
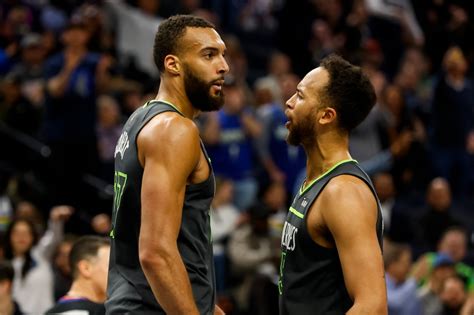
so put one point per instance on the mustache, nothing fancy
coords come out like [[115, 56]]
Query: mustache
[[219, 80]]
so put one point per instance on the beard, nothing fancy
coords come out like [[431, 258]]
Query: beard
[[303, 132], [199, 92]]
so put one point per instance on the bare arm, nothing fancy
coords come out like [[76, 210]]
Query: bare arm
[[55, 232], [350, 214], [57, 85], [250, 125], [102, 76], [169, 151]]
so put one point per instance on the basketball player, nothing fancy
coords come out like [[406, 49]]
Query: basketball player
[[331, 244], [161, 257]]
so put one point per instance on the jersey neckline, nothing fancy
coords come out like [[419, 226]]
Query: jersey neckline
[[303, 190], [167, 103]]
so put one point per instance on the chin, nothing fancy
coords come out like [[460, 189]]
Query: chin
[[294, 137], [292, 141]]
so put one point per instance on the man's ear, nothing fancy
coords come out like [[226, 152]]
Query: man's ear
[[327, 115], [172, 64], [84, 268]]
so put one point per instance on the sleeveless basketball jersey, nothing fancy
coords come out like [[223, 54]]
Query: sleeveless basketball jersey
[[128, 290], [311, 279]]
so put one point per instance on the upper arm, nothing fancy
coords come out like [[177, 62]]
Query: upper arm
[[169, 150], [349, 211]]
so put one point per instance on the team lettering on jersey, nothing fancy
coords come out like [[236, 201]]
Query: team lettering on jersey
[[288, 237], [122, 145]]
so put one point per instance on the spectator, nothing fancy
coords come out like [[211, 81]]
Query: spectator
[[250, 250], [26, 210], [281, 161], [229, 136], [438, 214], [30, 69], [109, 128], [453, 295], [8, 306], [453, 243], [237, 59], [89, 261], [443, 268], [397, 221], [401, 290], [101, 224], [370, 138], [61, 268], [452, 122], [73, 78], [224, 219], [19, 119], [30, 257], [274, 197], [131, 21], [391, 23]]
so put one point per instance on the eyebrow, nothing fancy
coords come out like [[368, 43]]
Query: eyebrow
[[212, 49]]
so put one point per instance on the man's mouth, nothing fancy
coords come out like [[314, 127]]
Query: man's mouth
[[217, 85]]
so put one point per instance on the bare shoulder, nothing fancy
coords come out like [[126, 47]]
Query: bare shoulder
[[169, 126], [169, 133], [347, 185], [347, 199]]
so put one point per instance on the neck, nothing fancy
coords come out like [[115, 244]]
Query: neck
[[83, 288], [435, 285], [17, 254], [75, 50], [217, 202], [6, 305], [457, 78], [172, 91], [329, 149]]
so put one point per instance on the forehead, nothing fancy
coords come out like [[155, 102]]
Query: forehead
[[315, 80], [197, 38], [104, 252]]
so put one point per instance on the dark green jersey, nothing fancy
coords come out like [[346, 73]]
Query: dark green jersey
[[311, 279], [128, 290]]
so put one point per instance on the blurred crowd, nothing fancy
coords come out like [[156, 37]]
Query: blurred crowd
[[72, 71]]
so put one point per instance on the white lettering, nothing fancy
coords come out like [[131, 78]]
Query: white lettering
[[288, 237], [122, 145]]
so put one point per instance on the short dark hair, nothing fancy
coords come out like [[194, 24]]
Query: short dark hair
[[393, 251], [169, 34], [85, 247], [349, 91], [6, 271]]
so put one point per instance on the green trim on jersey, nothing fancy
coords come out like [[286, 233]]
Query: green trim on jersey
[[302, 191], [297, 213]]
